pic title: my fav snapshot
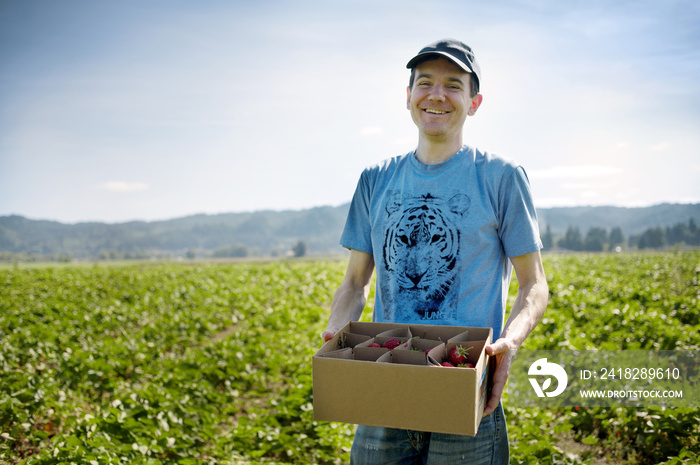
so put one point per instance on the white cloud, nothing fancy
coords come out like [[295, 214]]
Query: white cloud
[[370, 131], [579, 186], [574, 171], [123, 186], [549, 202]]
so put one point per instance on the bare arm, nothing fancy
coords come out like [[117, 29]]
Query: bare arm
[[527, 311], [350, 298]]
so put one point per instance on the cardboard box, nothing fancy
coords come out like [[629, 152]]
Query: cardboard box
[[402, 388]]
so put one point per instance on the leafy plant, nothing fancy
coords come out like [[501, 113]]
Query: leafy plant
[[211, 364]]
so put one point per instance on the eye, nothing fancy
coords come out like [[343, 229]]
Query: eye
[[435, 238], [403, 239]]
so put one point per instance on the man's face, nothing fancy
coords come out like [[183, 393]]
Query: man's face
[[440, 99]]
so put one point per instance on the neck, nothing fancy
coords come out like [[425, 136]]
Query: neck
[[432, 152]]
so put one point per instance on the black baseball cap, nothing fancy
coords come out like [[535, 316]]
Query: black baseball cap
[[458, 52]]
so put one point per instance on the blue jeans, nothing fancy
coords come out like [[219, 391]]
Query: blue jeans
[[387, 446]]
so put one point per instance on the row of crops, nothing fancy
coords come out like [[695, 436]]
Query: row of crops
[[211, 363]]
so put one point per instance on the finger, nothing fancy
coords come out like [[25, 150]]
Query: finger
[[494, 399], [327, 335], [495, 396], [497, 347]]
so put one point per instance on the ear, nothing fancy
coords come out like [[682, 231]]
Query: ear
[[408, 98], [476, 102], [459, 203], [394, 203]]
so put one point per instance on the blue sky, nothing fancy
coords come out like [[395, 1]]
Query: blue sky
[[122, 110]]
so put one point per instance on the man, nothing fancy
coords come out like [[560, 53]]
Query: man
[[444, 226]]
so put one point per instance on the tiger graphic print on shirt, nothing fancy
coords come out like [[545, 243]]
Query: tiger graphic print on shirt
[[421, 252]]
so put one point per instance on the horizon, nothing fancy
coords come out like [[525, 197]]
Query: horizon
[[118, 112], [252, 212]]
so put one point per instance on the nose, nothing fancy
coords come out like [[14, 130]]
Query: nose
[[415, 278], [437, 93]]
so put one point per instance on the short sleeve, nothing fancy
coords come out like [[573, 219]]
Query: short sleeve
[[357, 233], [518, 226]]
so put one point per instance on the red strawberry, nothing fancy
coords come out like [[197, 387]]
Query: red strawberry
[[468, 365], [447, 364], [458, 355], [391, 344], [374, 344]]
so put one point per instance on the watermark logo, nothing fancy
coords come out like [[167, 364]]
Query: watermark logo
[[605, 378], [542, 367]]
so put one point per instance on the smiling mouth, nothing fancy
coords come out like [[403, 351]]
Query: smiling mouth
[[434, 112]]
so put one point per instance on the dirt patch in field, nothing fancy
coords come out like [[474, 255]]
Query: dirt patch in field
[[592, 453]]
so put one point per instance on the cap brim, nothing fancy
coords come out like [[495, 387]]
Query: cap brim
[[422, 56]]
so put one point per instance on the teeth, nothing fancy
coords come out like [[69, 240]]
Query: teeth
[[435, 112]]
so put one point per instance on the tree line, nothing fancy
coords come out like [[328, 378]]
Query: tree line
[[241, 251], [598, 239]]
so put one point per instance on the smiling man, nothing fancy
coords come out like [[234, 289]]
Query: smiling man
[[443, 226], [440, 97]]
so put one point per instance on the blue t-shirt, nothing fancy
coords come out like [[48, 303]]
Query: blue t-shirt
[[441, 236]]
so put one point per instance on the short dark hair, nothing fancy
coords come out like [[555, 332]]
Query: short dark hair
[[473, 80]]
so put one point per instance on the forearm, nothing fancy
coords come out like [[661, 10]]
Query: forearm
[[528, 309], [350, 298], [348, 303]]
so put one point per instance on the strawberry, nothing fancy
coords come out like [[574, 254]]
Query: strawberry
[[374, 344], [458, 355], [391, 344], [447, 364]]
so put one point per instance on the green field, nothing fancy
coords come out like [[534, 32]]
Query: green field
[[211, 363]]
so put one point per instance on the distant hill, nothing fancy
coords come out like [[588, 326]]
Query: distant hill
[[269, 233], [631, 220]]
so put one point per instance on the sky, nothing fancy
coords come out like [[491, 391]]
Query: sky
[[123, 110]]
